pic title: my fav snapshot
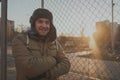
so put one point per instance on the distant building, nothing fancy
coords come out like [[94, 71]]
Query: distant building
[[105, 35], [118, 33], [74, 44], [116, 37], [103, 30], [10, 29]]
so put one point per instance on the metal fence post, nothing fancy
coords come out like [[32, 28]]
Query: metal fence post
[[112, 27], [3, 31], [42, 3]]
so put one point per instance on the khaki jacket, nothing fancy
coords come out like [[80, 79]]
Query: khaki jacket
[[36, 60]]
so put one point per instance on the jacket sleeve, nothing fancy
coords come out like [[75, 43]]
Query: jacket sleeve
[[31, 65], [62, 66]]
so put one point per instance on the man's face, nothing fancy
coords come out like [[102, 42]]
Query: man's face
[[42, 25]]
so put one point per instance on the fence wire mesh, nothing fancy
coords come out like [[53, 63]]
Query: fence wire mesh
[[86, 32]]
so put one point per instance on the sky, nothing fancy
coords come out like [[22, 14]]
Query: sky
[[20, 10], [69, 15]]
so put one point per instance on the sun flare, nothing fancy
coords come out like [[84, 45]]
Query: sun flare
[[89, 32]]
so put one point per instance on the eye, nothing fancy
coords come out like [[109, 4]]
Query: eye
[[40, 21], [47, 22]]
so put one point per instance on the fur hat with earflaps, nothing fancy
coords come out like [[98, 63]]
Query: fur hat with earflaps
[[43, 13]]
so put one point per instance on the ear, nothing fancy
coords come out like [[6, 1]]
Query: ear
[[52, 34]]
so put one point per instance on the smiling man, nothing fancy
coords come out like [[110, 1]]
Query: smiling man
[[38, 55], [42, 26]]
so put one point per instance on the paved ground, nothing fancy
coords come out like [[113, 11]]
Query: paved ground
[[81, 68], [91, 69], [103, 70]]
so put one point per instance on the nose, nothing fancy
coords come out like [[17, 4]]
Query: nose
[[44, 24]]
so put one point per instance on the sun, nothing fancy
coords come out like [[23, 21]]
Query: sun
[[89, 33]]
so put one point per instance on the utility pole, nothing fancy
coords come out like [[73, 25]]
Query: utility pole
[[42, 3], [112, 28], [3, 38]]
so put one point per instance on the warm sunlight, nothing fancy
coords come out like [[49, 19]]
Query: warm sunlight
[[89, 32]]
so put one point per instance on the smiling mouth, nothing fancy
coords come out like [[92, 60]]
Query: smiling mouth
[[43, 29]]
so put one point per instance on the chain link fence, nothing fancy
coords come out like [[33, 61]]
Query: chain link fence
[[87, 30]]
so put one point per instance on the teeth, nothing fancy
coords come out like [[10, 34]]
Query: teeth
[[43, 29]]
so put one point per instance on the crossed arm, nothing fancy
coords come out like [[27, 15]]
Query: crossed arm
[[33, 66]]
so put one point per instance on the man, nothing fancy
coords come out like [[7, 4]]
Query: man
[[38, 55]]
